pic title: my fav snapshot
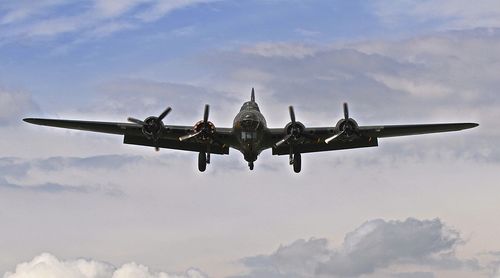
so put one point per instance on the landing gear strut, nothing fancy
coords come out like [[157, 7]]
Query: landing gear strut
[[250, 165], [202, 161], [296, 161]]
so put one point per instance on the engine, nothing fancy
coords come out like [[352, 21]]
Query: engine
[[152, 128], [205, 129], [294, 129], [347, 126]]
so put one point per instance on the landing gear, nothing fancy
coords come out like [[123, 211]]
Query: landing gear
[[296, 161], [202, 161], [250, 165]]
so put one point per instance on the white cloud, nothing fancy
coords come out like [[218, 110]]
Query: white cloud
[[375, 245], [18, 11], [14, 105], [456, 14], [161, 8], [114, 8], [280, 49], [48, 266], [95, 19]]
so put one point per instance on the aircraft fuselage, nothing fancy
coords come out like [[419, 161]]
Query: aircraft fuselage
[[249, 127]]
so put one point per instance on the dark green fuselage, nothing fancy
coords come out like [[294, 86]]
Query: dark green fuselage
[[250, 129]]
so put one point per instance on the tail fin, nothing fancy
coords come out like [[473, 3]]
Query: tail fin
[[252, 97]]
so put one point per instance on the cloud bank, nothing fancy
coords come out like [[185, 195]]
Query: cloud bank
[[375, 245], [47, 265], [374, 248]]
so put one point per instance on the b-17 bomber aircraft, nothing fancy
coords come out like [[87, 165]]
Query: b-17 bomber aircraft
[[250, 134]]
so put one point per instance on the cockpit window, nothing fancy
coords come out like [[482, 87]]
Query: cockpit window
[[245, 135], [250, 124]]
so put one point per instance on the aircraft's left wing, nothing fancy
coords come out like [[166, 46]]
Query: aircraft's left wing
[[405, 130], [313, 139], [133, 134]]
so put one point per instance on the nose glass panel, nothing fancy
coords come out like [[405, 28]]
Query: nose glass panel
[[248, 136]]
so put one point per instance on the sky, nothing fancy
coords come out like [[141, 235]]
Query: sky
[[77, 204]]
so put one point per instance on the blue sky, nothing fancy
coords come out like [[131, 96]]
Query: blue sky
[[69, 63], [129, 211]]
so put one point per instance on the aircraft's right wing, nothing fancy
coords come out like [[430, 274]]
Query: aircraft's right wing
[[133, 134], [102, 127]]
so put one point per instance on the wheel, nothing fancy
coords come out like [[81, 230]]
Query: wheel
[[202, 162], [297, 162], [250, 165]]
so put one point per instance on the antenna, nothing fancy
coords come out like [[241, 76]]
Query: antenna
[[252, 98]]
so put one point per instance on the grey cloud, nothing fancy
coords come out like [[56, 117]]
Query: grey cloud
[[18, 167], [46, 187], [375, 245], [17, 173], [93, 162], [414, 275]]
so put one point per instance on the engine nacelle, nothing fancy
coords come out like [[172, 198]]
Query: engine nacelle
[[208, 131], [349, 126], [152, 128], [295, 130]]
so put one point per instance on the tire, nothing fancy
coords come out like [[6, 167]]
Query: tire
[[202, 162], [297, 163]]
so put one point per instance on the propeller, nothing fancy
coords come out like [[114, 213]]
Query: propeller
[[295, 129], [152, 126], [202, 128], [346, 128]]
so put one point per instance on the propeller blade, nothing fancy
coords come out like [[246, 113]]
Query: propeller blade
[[328, 140], [189, 136], [284, 140], [136, 121], [165, 113], [292, 114], [346, 111], [205, 114]]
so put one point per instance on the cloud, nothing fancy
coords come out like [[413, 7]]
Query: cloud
[[130, 96], [21, 20], [161, 8], [285, 50], [47, 265], [50, 188], [414, 275], [457, 14], [63, 174], [375, 245], [14, 105]]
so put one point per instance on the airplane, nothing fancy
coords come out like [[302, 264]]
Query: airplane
[[250, 134]]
